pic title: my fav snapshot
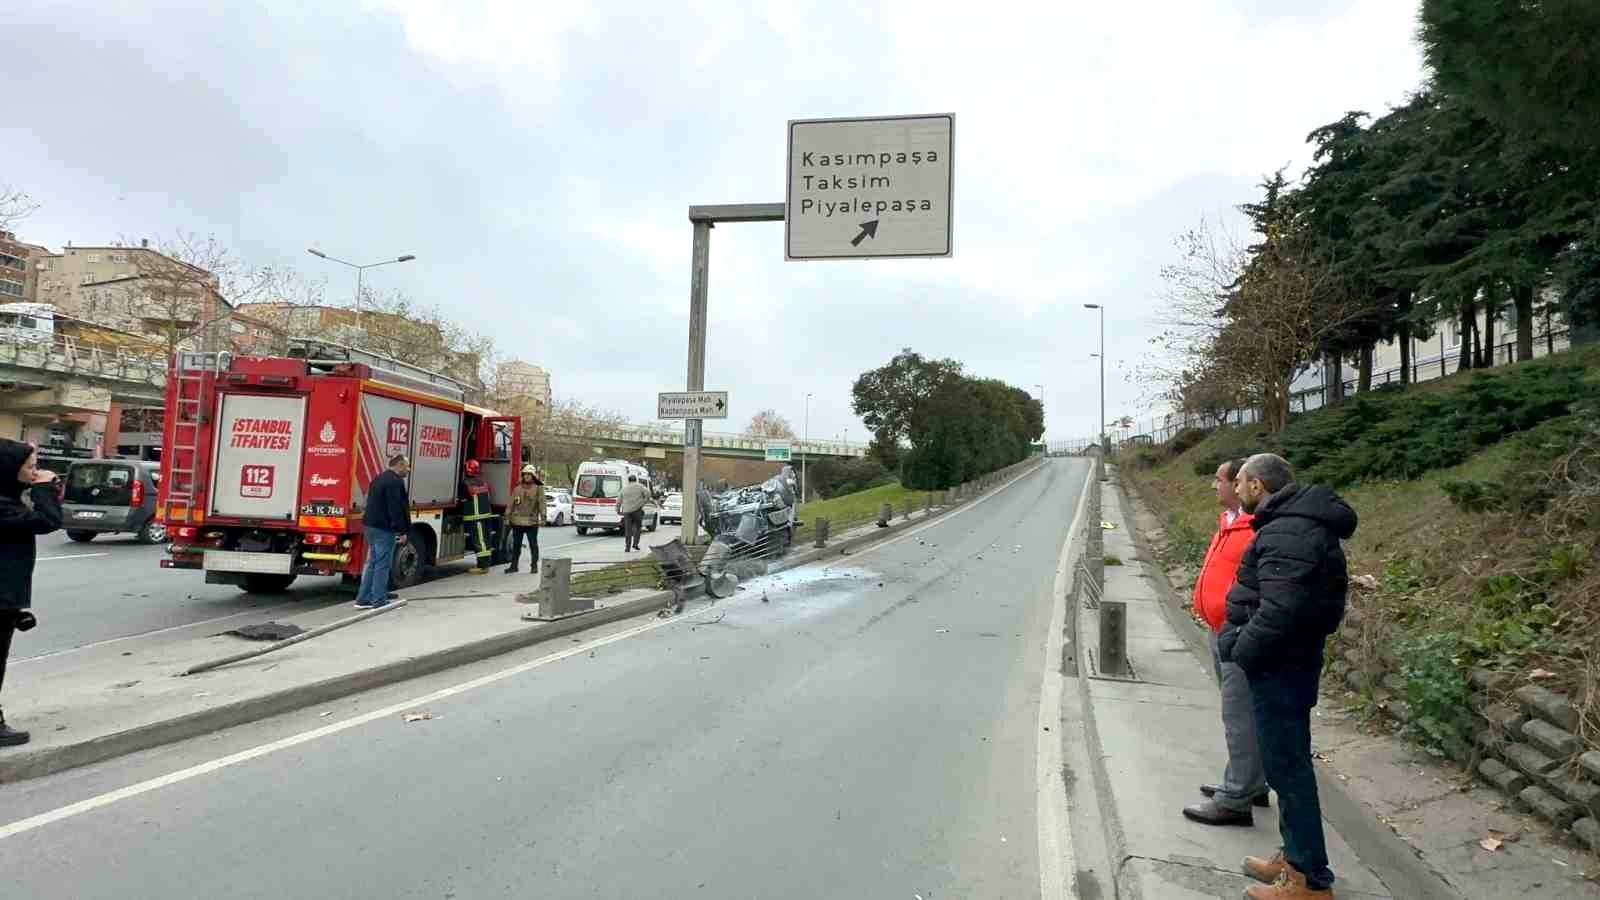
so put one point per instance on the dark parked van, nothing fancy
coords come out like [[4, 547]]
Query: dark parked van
[[111, 496]]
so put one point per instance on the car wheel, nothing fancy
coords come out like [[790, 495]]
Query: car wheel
[[582, 531], [82, 537], [153, 532], [267, 584], [654, 521], [561, 520]]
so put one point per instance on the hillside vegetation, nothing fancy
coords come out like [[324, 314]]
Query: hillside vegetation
[[1479, 498]]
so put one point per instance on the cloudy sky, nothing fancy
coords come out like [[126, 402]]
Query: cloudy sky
[[539, 157]]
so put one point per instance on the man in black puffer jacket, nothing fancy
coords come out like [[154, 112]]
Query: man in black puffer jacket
[[1288, 597]]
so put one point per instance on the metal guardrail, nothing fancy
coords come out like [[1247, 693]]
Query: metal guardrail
[[63, 355], [651, 434]]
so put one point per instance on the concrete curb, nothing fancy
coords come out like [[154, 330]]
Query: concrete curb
[[20, 766], [1388, 856]]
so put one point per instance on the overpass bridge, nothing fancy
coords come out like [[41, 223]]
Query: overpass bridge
[[55, 374], [642, 439]]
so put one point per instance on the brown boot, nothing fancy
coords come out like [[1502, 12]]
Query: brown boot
[[1266, 871], [1291, 885]]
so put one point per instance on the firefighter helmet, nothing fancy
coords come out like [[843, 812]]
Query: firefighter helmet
[[473, 468]]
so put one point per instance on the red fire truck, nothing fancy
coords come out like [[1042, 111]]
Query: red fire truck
[[267, 460]]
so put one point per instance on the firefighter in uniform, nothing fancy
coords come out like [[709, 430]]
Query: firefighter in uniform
[[524, 515], [480, 518]]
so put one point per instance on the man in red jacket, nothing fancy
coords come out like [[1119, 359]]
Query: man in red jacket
[[1244, 781]]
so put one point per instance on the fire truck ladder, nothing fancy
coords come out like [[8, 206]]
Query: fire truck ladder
[[195, 379]]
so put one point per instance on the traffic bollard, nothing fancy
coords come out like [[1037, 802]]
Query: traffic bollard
[[1113, 637], [885, 515], [822, 534], [908, 508]]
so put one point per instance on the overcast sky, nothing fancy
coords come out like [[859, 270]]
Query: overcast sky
[[538, 158]]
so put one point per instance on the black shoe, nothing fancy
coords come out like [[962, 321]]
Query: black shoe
[[511, 569], [1210, 790], [1208, 812], [10, 738]]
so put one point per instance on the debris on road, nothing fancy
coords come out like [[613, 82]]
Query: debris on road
[[266, 631], [420, 715]]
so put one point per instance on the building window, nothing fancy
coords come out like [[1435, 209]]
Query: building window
[[94, 257], [11, 262], [10, 288], [1454, 332], [119, 257]]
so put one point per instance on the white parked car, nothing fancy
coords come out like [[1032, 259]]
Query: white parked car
[[557, 507], [672, 508]]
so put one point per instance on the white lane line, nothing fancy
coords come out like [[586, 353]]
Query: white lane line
[[22, 826], [1055, 819], [72, 556]]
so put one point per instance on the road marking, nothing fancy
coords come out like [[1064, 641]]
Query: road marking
[[72, 556], [31, 823], [1055, 819], [22, 826]]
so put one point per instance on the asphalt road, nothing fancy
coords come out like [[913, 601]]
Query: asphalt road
[[867, 729], [114, 587]]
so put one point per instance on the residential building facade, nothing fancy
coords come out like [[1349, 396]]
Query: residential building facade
[[136, 289]]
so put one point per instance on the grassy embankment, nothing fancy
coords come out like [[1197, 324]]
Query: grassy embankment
[[1479, 499]]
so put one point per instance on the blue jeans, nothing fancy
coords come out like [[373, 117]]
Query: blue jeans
[[1283, 698], [380, 558]]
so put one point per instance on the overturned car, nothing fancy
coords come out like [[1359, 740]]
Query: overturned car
[[753, 523]]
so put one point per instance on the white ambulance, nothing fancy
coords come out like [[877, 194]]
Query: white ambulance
[[595, 491]]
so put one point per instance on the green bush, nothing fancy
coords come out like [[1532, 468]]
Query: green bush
[[1184, 441], [1436, 688]]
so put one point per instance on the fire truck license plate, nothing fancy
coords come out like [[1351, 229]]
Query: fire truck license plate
[[252, 563]]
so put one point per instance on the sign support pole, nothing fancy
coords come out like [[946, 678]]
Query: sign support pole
[[703, 217]]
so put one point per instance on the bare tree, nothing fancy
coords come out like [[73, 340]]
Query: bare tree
[[564, 435], [184, 291], [15, 205], [1251, 318], [768, 424]]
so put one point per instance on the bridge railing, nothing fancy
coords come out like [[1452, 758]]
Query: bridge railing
[[60, 353], [673, 436]]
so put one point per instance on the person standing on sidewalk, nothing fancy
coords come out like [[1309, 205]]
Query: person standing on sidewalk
[[29, 507], [630, 506], [385, 521], [1290, 595], [524, 515], [1243, 781]]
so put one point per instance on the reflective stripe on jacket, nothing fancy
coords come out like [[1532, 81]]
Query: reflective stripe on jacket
[[1221, 567]]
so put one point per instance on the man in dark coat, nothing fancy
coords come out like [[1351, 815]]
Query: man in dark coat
[[385, 523], [1288, 597], [29, 507]]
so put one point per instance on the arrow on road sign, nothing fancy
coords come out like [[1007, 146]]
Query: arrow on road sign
[[868, 230], [720, 405]]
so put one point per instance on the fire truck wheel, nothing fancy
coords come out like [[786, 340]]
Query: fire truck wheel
[[408, 562], [267, 584], [582, 531], [82, 537]]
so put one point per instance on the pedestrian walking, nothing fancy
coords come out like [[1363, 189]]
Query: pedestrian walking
[[1289, 596], [385, 522], [29, 507], [630, 505], [1244, 782], [524, 515]]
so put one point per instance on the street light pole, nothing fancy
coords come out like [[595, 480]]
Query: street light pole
[[360, 268], [806, 436], [1102, 311]]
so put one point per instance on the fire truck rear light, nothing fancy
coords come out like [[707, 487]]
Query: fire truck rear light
[[322, 539], [184, 531]]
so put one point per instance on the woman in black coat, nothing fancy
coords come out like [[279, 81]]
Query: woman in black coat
[[28, 508]]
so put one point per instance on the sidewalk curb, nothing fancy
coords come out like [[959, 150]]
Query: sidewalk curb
[[1388, 856], [20, 766]]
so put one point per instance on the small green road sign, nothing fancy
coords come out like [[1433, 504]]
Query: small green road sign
[[778, 451]]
